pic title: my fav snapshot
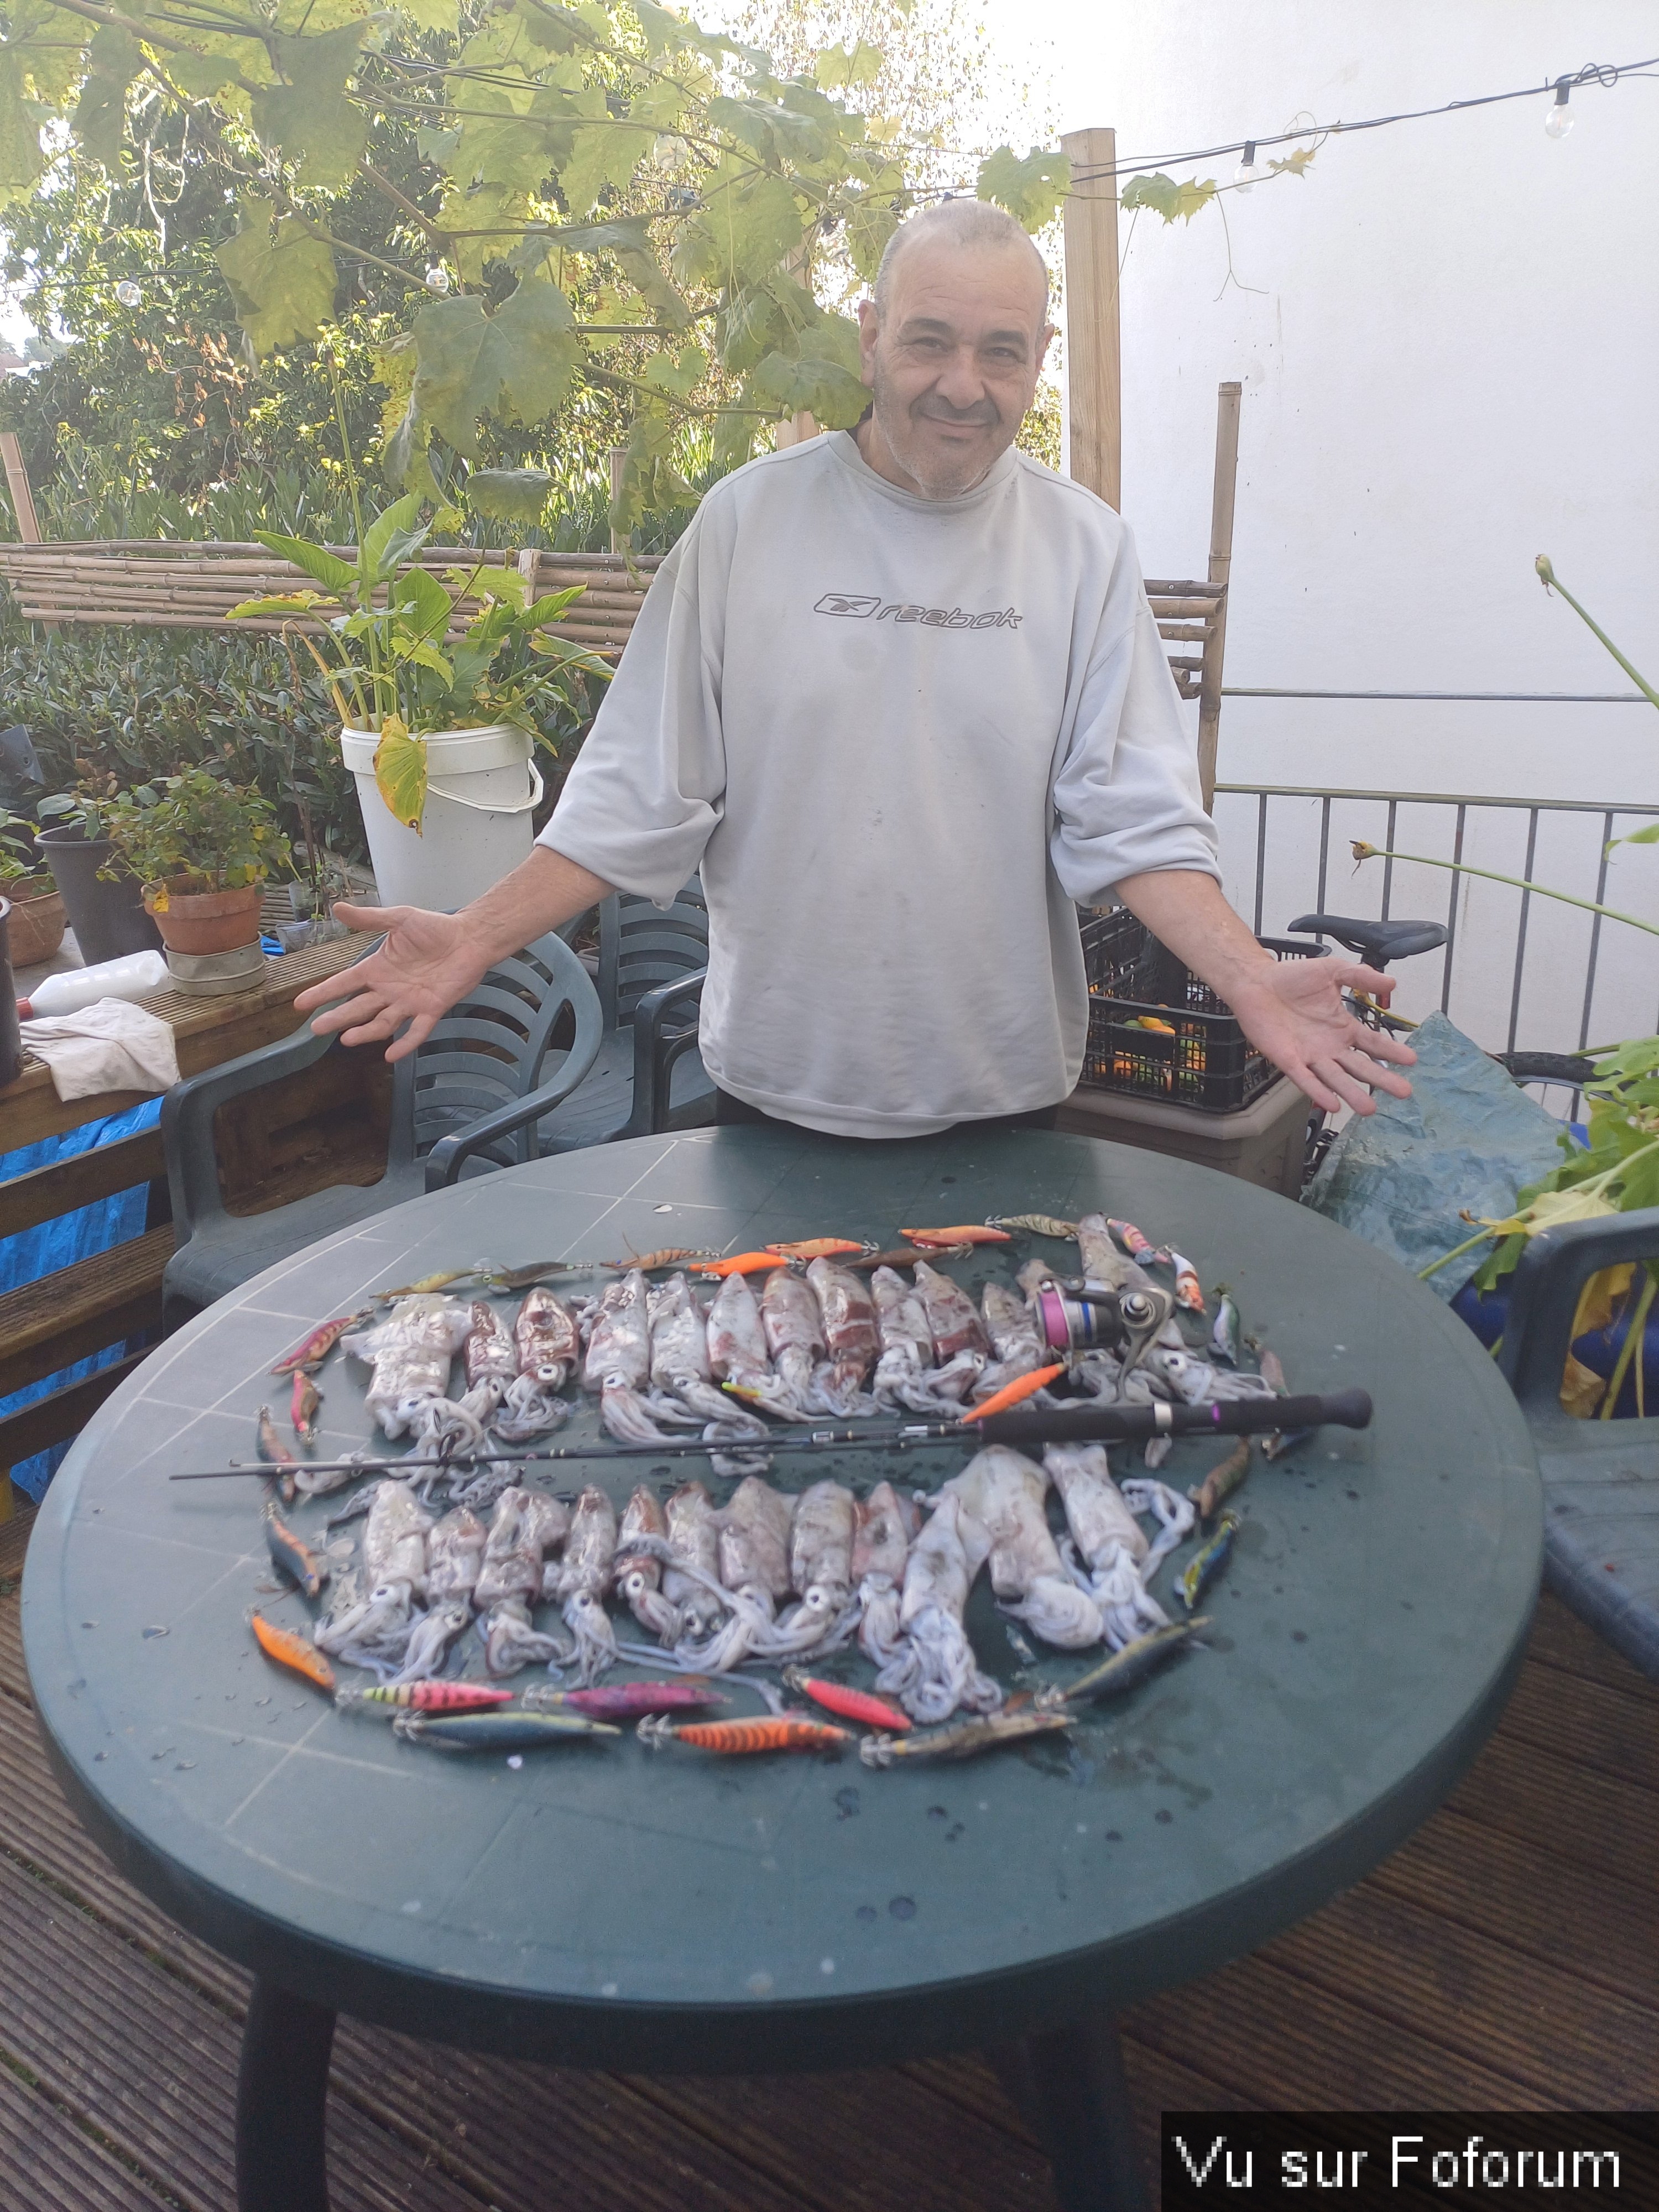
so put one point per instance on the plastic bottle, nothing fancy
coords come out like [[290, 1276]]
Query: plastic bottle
[[133, 976]]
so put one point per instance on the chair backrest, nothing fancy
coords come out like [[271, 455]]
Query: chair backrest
[[641, 945], [498, 1043]]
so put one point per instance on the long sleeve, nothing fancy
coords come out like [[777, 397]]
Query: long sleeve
[[1125, 793], [648, 787]]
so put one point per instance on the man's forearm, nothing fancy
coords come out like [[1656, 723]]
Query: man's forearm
[[1185, 909], [542, 893]]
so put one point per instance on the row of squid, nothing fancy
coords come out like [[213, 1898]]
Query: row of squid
[[769, 1577], [818, 1340]]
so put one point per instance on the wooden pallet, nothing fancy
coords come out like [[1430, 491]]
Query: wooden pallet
[[1504, 1959]]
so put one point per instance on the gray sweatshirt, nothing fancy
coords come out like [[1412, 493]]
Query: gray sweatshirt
[[902, 736]]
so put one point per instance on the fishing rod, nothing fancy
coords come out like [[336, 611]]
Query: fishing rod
[[1095, 1423]]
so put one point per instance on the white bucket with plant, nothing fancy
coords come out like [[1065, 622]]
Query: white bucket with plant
[[436, 706]]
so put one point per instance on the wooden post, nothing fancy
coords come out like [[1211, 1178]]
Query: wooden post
[[1221, 562], [1094, 385], [618, 455], [17, 483]]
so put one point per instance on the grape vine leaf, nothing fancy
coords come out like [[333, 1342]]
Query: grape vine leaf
[[516, 364], [836, 66], [307, 119], [1297, 164], [281, 278], [651, 484], [114, 59], [1648, 837], [603, 156], [200, 75], [1032, 191], [833, 393], [750, 223], [870, 221], [1165, 197], [676, 378], [628, 238], [509, 494], [22, 161], [400, 772]]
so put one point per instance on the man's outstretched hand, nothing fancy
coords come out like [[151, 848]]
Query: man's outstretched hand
[[1293, 1010], [425, 963], [428, 961]]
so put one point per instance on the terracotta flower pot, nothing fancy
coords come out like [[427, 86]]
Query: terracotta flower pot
[[37, 923], [205, 921]]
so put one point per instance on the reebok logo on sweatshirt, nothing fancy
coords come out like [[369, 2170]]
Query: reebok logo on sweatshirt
[[859, 606]]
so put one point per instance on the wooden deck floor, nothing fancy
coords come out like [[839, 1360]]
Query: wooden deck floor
[[1507, 1958]]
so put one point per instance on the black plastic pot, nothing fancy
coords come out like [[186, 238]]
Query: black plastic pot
[[108, 918], [11, 1049]]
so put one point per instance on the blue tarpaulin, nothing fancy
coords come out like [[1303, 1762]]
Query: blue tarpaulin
[[54, 1244]]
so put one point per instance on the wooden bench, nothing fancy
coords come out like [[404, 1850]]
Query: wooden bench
[[325, 1125]]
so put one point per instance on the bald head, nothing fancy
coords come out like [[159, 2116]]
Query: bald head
[[968, 225], [951, 345]]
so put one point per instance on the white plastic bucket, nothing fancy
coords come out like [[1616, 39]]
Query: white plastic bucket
[[481, 786]]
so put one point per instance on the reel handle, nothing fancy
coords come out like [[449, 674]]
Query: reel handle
[[1229, 1417]]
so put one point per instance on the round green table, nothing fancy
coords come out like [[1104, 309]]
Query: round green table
[[608, 1906]]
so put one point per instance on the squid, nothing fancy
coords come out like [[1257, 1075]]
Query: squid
[[639, 1573], [794, 1334], [545, 1349], [849, 1327], [821, 1538], [528, 1524], [618, 1361], [1004, 1492], [754, 1571], [934, 1672], [582, 1579], [681, 1368], [906, 1344], [736, 1351], [960, 1344], [1011, 1327], [881, 1545], [691, 1580], [1174, 1514], [374, 1631], [409, 1353], [1112, 1542], [454, 1555]]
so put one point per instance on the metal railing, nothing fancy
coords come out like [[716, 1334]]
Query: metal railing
[[1505, 973]]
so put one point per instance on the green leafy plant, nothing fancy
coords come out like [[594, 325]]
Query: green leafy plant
[[400, 659], [186, 833], [1617, 1172], [597, 197], [21, 872]]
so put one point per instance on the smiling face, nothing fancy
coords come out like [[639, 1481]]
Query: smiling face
[[953, 363]]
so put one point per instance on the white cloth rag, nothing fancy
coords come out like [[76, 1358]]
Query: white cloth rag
[[111, 1045]]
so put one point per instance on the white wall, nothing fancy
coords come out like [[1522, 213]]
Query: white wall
[[1448, 338]]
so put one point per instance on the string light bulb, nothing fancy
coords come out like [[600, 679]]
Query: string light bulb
[[1559, 119], [129, 293], [437, 279], [1247, 172]]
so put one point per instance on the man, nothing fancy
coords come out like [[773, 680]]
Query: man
[[899, 693]]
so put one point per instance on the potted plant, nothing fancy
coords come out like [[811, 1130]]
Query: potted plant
[[431, 699], [37, 922], [104, 900], [202, 849]]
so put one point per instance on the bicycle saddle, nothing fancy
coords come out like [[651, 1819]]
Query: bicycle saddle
[[1376, 941]]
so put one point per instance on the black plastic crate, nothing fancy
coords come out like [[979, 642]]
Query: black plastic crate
[[1203, 1058]]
